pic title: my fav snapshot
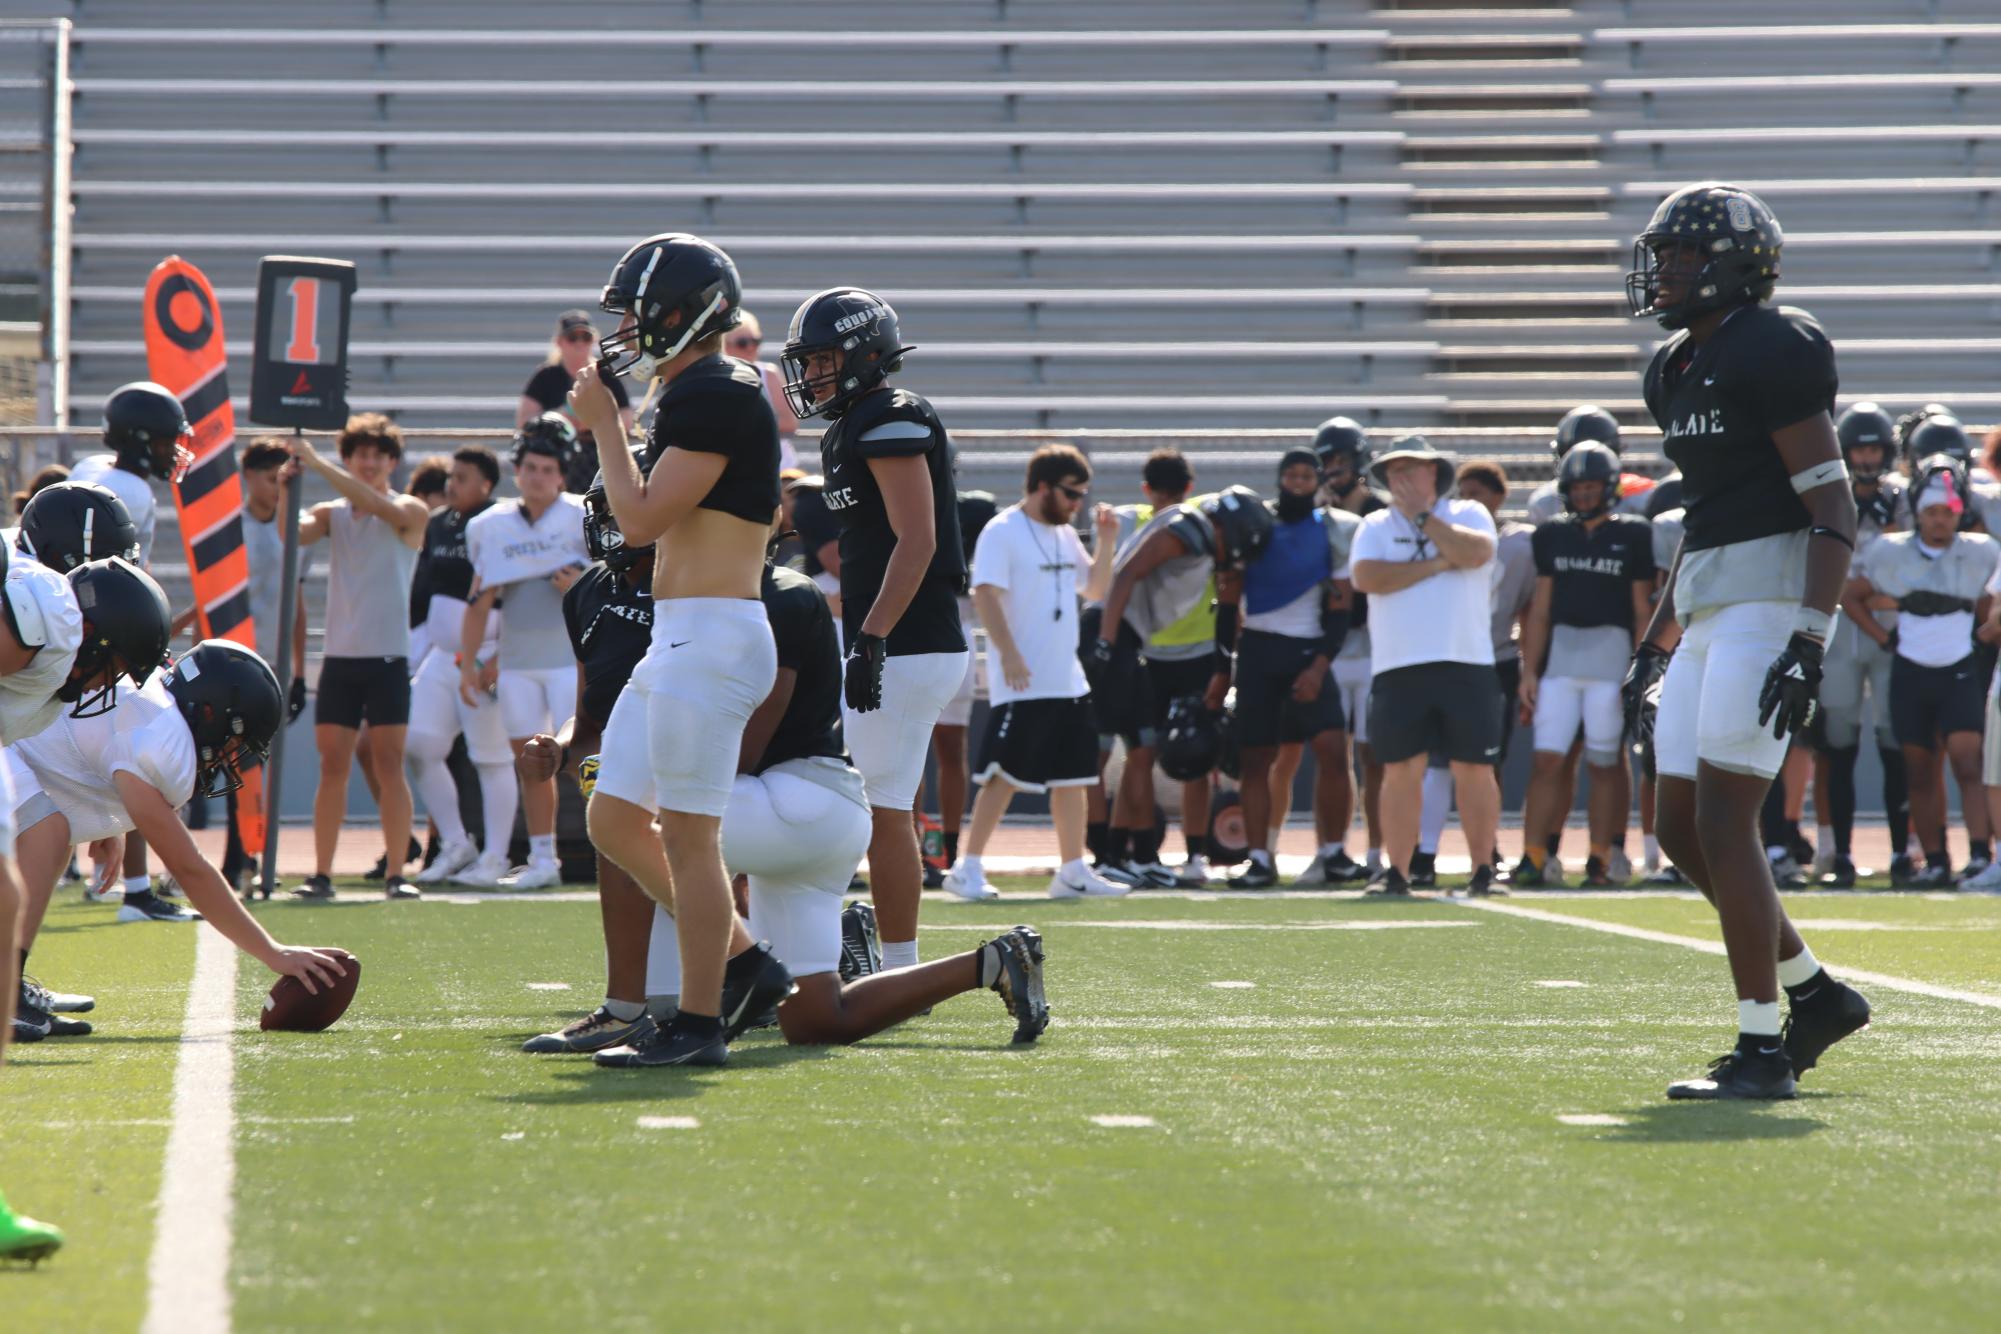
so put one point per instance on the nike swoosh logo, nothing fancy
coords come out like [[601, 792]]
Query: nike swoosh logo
[[1710, 380], [679, 643]]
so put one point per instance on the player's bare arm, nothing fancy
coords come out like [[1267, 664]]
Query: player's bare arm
[[407, 515], [906, 495]]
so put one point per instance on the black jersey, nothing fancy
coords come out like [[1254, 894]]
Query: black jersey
[[1592, 571], [807, 646], [976, 510], [1765, 368], [815, 525], [718, 406], [442, 559], [610, 622], [894, 423]]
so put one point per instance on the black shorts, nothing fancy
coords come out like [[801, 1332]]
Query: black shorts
[[1037, 744], [1927, 703], [1509, 676], [357, 690], [1267, 714], [1451, 709]]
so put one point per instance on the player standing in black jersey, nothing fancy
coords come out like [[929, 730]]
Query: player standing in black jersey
[[888, 468], [1742, 393], [707, 499]]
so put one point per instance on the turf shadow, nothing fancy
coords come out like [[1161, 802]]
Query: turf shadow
[[579, 1087], [1711, 1122]]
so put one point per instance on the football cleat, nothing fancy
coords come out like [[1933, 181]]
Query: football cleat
[[1974, 868], [1596, 875], [1936, 875], [1741, 1075], [1817, 1022], [381, 867], [1527, 875], [396, 887], [1903, 868], [25, 1238], [1424, 870], [1986, 882], [1258, 873], [1483, 886], [1667, 877], [1020, 982], [535, 875], [1194, 873], [1085, 883], [169, 888], [449, 862], [1786, 873], [1841, 873], [26, 1011], [150, 907], [861, 947], [27, 1032], [55, 1002], [485, 873], [970, 883], [934, 877], [594, 1032], [314, 887], [1389, 883], [753, 982], [670, 1043], [1152, 875], [1620, 868]]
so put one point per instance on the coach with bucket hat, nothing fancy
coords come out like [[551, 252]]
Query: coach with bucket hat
[[1426, 564]]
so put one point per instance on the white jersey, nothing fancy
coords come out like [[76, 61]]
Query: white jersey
[[74, 760], [518, 557], [27, 697], [134, 490]]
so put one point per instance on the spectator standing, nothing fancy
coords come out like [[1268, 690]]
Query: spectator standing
[[1029, 570], [743, 343], [1343, 448], [1425, 564], [373, 535], [1486, 485], [548, 390], [977, 509]]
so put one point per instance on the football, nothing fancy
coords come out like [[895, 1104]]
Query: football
[[292, 1008]]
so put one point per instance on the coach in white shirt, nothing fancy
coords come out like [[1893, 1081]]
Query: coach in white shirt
[[1425, 563], [1029, 569]]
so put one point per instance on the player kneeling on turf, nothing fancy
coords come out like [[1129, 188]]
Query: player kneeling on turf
[[133, 767]]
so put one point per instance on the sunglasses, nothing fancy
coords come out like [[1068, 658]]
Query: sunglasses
[[580, 336], [1076, 493]]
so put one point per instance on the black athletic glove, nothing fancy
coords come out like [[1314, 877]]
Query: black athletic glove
[[295, 700], [1649, 664], [1792, 687], [1098, 654], [863, 685], [1926, 603]]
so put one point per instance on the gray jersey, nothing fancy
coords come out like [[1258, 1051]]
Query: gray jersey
[[368, 596], [1514, 562], [264, 552], [1171, 608], [1896, 565]]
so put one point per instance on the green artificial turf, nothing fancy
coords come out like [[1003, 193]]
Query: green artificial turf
[[1367, 1135]]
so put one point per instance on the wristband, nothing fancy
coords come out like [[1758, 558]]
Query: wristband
[[1820, 474], [1818, 624]]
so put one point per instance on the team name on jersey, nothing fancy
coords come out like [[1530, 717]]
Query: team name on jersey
[[627, 612], [528, 547], [1696, 423], [1589, 565], [838, 497]]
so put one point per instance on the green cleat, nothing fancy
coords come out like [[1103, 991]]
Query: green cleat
[[22, 1238]]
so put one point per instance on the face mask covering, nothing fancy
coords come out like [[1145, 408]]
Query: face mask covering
[[1292, 508]]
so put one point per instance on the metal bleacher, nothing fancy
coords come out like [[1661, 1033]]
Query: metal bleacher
[[1093, 213]]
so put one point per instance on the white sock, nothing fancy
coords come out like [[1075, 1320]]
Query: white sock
[[1651, 847], [624, 1011], [1262, 856], [969, 864], [1758, 1018], [1074, 869], [1375, 861], [138, 884], [1823, 840], [663, 956], [1775, 852], [1437, 809], [440, 795], [1328, 850], [899, 954], [498, 792], [1798, 969], [542, 849]]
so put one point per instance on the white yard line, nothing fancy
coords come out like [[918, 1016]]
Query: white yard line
[[1884, 980], [187, 1281]]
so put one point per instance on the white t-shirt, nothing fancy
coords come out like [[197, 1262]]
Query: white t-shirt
[[1441, 618], [518, 557], [134, 490], [74, 760], [27, 697], [1039, 568]]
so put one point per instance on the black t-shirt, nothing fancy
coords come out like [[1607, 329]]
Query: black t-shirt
[[718, 406], [610, 622], [442, 559], [1593, 571], [804, 631], [976, 510], [1766, 368], [815, 524], [550, 386], [894, 423]]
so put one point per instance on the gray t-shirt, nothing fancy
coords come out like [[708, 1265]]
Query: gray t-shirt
[[1514, 557], [368, 596], [1171, 607], [264, 552]]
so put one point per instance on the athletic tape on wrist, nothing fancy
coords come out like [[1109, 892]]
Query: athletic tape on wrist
[[1819, 624]]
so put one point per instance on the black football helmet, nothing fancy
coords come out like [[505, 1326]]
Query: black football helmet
[[1862, 426], [230, 700], [1587, 422], [550, 435], [126, 628], [1341, 436], [73, 523], [1192, 741], [1739, 239], [678, 289], [860, 329], [147, 429], [602, 539], [1242, 522], [1941, 468], [1589, 461], [1937, 433]]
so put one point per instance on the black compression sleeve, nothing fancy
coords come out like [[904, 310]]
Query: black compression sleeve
[[1333, 630]]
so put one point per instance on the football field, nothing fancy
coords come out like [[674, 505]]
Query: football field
[[1250, 1111]]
